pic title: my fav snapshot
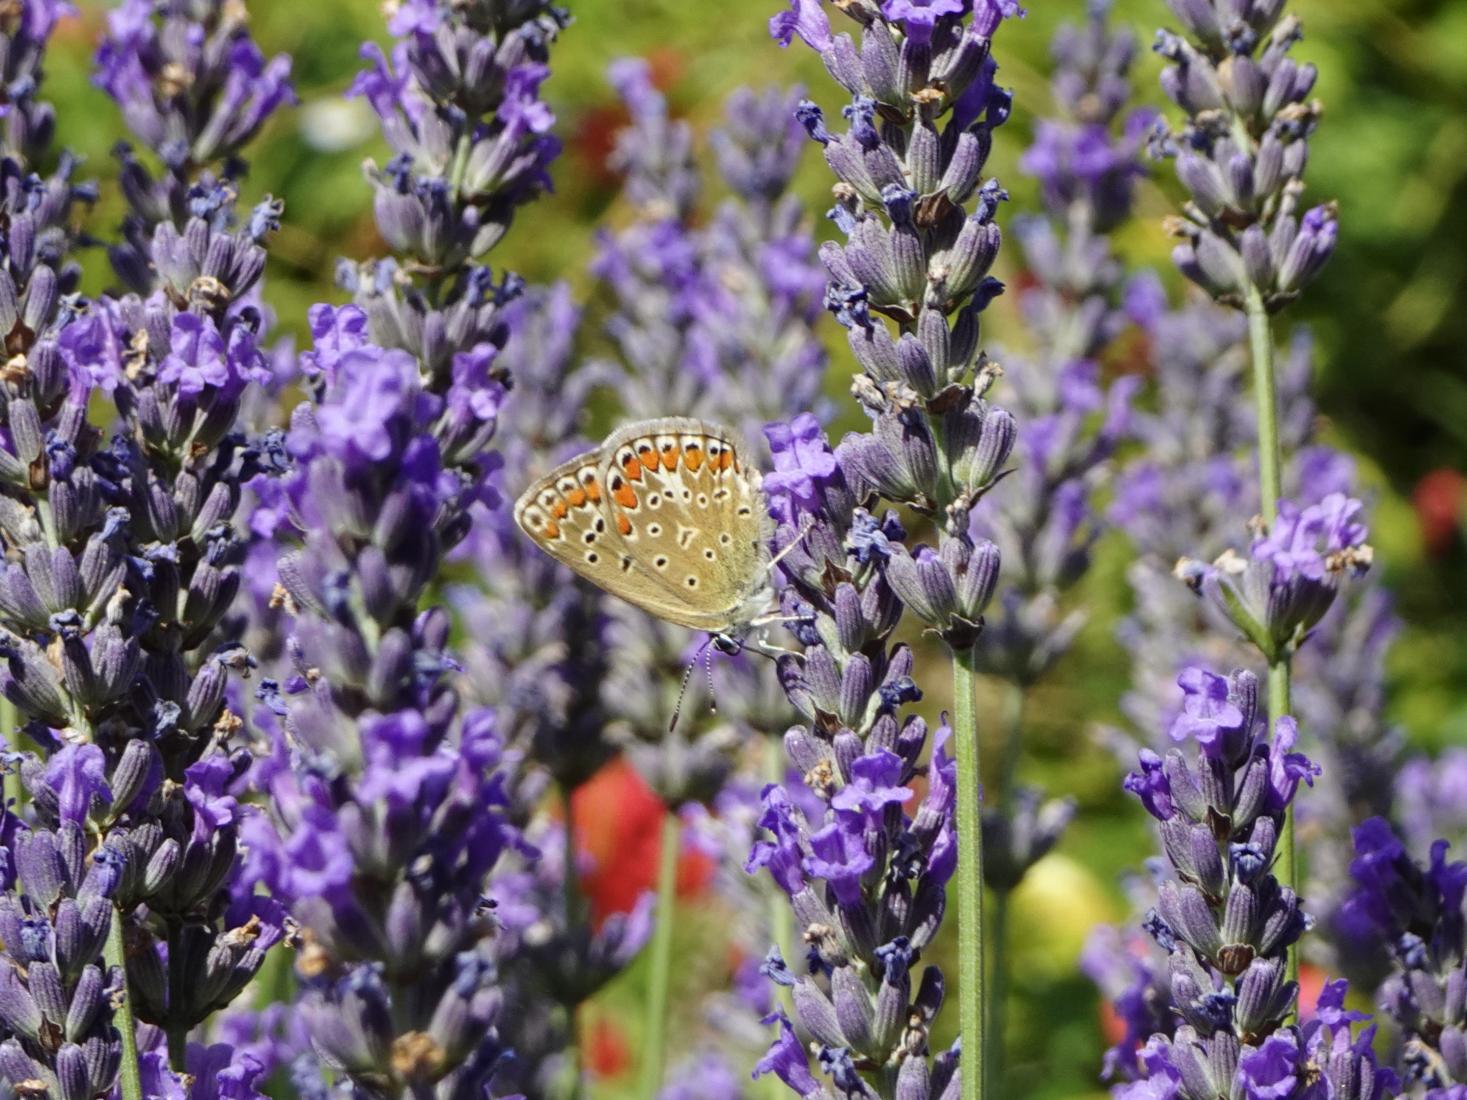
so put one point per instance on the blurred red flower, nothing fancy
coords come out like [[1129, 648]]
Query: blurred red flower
[[618, 825], [607, 1051], [1438, 498]]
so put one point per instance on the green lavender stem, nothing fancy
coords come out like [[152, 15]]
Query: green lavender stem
[[1013, 723], [1270, 489], [1266, 398], [115, 955], [970, 874], [9, 723], [654, 1051]]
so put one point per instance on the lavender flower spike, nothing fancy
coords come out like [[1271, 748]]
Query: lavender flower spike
[[1226, 923], [1414, 912], [195, 90], [1281, 591], [1242, 152], [908, 284]]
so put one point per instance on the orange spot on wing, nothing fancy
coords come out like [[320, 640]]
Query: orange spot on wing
[[725, 460], [576, 497], [670, 455], [559, 509], [625, 497], [624, 525], [552, 530], [693, 456], [632, 467], [593, 491]]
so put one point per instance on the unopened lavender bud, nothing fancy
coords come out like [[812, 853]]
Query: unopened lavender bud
[[1282, 925], [915, 365], [26, 433], [959, 270], [18, 1009], [899, 459], [1264, 996], [1186, 910], [162, 866], [1310, 250], [1244, 83], [1240, 917], [816, 1013], [40, 298], [974, 569], [1199, 19], [137, 774], [923, 584], [1204, 183], [979, 439], [73, 1073], [853, 1008], [32, 684], [1257, 256], [924, 159], [965, 168], [875, 351], [857, 684]]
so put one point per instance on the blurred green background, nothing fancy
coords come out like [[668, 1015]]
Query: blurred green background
[[1390, 315]]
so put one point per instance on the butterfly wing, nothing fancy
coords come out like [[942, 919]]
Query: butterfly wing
[[690, 513], [565, 514]]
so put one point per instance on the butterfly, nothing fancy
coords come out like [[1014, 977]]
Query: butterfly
[[668, 515]]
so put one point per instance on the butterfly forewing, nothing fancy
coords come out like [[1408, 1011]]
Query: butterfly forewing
[[682, 528]]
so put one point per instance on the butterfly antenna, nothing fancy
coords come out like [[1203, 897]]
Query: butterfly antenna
[[708, 668], [682, 690]]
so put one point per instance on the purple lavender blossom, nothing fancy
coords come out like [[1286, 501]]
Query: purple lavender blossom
[[195, 89], [1414, 913], [1290, 577], [191, 84], [1242, 152], [459, 103], [1224, 921], [29, 122]]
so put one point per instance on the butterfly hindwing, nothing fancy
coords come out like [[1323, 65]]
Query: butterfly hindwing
[[565, 514]]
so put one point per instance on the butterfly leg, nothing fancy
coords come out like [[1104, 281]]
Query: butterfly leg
[[799, 538]]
